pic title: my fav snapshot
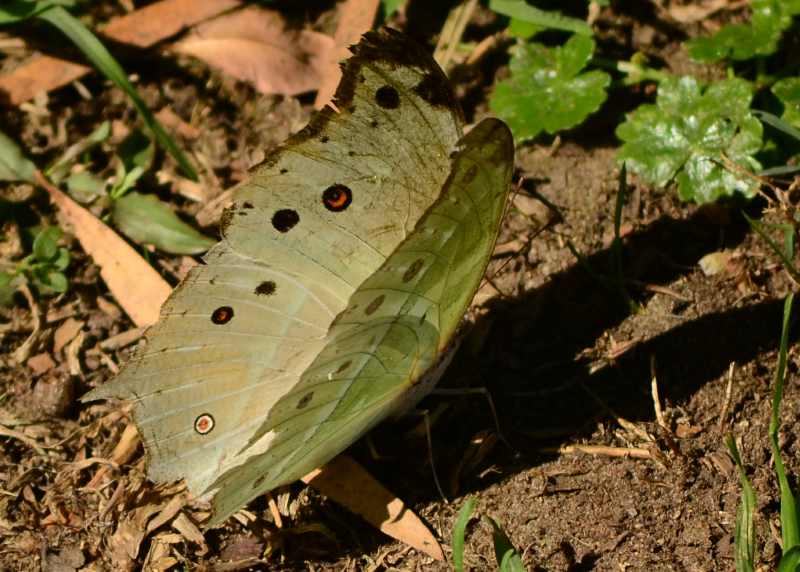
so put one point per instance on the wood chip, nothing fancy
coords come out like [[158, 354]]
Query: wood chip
[[65, 333]]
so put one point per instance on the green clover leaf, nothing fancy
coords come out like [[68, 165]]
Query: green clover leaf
[[744, 41], [788, 92], [693, 136], [546, 90]]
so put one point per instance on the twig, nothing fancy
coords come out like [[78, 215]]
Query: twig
[[726, 403], [654, 392], [624, 452]]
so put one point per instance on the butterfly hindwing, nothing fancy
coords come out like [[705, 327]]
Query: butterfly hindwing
[[396, 326]]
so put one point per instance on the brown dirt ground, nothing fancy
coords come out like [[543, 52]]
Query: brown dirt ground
[[563, 358]]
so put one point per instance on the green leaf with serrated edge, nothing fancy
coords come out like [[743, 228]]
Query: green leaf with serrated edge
[[508, 558], [546, 90], [146, 220], [45, 245], [100, 57], [743, 41], [521, 10], [459, 530], [14, 166], [692, 135], [788, 92]]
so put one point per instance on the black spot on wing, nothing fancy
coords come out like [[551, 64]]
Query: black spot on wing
[[285, 219], [266, 288], [387, 97]]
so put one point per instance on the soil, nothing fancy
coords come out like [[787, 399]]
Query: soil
[[582, 475]]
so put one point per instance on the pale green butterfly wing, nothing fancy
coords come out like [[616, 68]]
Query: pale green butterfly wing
[[315, 221], [395, 328]]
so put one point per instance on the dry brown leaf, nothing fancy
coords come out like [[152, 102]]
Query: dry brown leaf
[[142, 28], [189, 531], [355, 18], [255, 45], [137, 287], [349, 484]]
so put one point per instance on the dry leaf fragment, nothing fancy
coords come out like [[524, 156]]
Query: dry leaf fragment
[[255, 45], [355, 18], [350, 484]]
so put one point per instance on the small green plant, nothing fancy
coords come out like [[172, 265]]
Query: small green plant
[[745, 541], [701, 136], [507, 556], [787, 91], [548, 89], [43, 268], [687, 132], [54, 12], [142, 217], [760, 37]]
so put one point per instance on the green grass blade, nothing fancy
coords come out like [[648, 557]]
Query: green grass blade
[[790, 562], [790, 529], [788, 264], [508, 558], [779, 171], [97, 54], [744, 536], [546, 19], [459, 531], [777, 123]]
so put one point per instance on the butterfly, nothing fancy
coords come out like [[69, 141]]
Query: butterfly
[[346, 264]]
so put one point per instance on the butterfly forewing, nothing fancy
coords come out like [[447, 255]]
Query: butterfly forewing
[[319, 217]]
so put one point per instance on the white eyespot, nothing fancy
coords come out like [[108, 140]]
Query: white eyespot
[[204, 424]]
